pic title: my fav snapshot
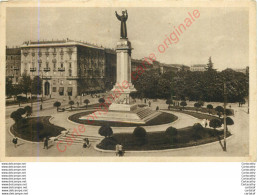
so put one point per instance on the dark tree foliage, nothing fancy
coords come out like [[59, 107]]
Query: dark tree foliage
[[215, 123], [105, 131], [207, 86]]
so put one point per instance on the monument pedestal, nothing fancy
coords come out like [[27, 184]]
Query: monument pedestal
[[124, 109]]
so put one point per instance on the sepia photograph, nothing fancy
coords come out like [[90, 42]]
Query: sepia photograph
[[128, 81]]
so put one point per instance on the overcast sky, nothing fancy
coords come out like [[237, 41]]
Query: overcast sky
[[219, 32]]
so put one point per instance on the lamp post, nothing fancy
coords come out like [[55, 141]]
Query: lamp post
[[225, 117]]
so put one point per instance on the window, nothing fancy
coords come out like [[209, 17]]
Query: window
[[54, 66], [61, 65], [70, 65], [70, 56], [61, 90], [54, 89], [69, 90], [47, 65], [70, 72]]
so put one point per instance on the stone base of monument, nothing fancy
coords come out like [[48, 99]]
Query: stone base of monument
[[131, 114]]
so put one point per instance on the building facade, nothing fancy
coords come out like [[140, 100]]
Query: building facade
[[67, 68], [198, 67], [13, 64]]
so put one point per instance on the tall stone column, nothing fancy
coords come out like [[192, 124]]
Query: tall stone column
[[123, 87]]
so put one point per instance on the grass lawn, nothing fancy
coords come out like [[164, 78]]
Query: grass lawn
[[196, 114], [163, 118], [25, 131], [160, 140]]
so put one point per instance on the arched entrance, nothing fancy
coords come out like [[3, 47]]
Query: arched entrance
[[47, 88]]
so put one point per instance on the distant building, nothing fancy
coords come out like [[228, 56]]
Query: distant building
[[68, 68], [198, 67], [13, 64], [172, 67], [242, 70]]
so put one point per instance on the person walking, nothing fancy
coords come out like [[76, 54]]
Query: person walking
[[86, 143], [120, 150], [15, 141], [206, 123], [46, 143], [117, 149]]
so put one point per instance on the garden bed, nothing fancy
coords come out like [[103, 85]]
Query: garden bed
[[163, 118], [27, 132], [160, 140]]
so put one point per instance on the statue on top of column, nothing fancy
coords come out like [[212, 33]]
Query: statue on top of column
[[123, 19]]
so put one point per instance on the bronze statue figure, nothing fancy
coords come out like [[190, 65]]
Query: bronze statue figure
[[123, 19]]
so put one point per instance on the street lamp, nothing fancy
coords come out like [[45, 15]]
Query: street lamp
[[225, 117]]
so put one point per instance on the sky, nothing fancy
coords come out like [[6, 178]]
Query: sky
[[222, 33]]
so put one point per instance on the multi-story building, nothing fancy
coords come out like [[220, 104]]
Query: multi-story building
[[68, 68], [198, 67], [242, 70], [172, 67], [13, 64]]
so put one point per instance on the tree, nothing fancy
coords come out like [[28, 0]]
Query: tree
[[220, 110], [101, 101], [229, 121], [215, 123], [201, 103], [86, 101], [28, 110], [209, 107], [209, 65], [169, 102], [9, 89], [25, 84], [197, 131], [36, 86], [21, 111], [105, 131], [140, 135], [172, 133], [16, 116], [183, 104], [57, 105], [197, 106], [71, 103]]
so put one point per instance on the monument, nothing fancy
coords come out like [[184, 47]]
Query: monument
[[123, 108], [123, 69]]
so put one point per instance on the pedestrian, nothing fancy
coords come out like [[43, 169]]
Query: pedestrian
[[120, 148], [46, 143], [149, 103], [117, 149], [86, 143], [77, 104], [41, 107], [206, 122], [15, 141]]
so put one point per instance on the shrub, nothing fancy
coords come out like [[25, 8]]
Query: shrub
[[197, 130], [57, 104], [229, 121], [71, 103], [108, 143], [183, 104], [201, 103], [22, 111], [220, 110], [157, 108], [105, 131], [140, 134], [171, 131], [22, 123], [209, 107], [197, 106], [169, 101], [16, 116], [86, 101], [214, 123], [28, 110]]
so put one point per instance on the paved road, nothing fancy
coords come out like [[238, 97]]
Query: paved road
[[237, 145]]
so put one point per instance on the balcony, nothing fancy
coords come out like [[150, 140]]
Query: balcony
[[33, 69], [16, 68], [61, 69], [46, 69]]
